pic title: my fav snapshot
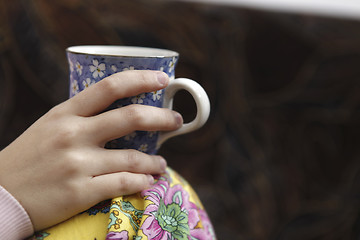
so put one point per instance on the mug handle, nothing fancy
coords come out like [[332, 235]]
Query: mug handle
[[202, 105]]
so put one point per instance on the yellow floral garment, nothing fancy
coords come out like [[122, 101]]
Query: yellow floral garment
[[170, 209]]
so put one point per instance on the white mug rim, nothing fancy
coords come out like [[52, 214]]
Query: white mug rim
[[122, 51]]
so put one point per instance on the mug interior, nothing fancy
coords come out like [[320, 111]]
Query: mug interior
[[124, 51]]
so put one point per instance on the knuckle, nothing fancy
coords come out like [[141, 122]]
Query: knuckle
[[124, 184], [73, 164], [108, 85], [55, 113], [135, 114], [143, 78], [65, 135], [60, 129], [146, 79], [133, 160]]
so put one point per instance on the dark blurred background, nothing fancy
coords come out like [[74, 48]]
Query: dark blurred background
[[279, 156]]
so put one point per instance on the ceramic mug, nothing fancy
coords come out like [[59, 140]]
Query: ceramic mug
[[90, 64]]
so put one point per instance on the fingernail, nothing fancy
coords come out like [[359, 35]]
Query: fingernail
[[150, 179], [162, 78], [178, 118]]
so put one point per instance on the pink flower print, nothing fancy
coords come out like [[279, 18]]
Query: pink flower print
[[172, 215], [205, 233], [123, 235], [156, 193]]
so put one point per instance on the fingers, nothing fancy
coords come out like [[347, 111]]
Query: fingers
[[122, 121], [111, 173], [119, 184], [106, 161], [120, 85]]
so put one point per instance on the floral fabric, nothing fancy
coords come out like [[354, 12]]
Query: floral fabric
[[170, 209]]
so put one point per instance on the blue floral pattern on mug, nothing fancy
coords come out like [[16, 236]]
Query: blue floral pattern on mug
[[86, 69]]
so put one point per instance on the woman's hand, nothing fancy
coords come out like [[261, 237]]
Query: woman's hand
[[59, 166]]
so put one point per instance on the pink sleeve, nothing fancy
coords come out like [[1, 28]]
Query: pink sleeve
[[15, 223]]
